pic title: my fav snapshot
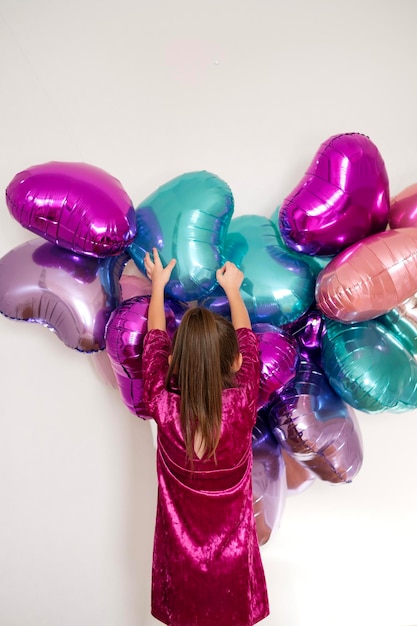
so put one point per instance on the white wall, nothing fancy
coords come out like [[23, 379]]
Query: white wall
[[147, 91]]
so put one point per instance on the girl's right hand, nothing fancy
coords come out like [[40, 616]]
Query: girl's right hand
[[229, 276]]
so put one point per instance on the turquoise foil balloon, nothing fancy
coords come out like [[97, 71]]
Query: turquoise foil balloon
[[278, 286], [369, 367], [186, 219], [402, 322]]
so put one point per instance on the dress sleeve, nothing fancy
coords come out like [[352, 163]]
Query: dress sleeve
[[249, 374], [156, 349]]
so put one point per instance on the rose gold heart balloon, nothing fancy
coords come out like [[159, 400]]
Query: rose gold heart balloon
[[370, 277], [403, 211]]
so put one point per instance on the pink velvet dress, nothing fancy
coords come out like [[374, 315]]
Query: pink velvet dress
[[207, 568]]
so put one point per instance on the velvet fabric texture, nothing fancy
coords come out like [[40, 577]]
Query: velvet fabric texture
[[207, 568]]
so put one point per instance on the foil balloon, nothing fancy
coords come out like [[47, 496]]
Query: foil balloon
[[342, 198], [74, 205], [278, 286], [402, 323], [186, 219], [298, 476], [125, 332], [317, 427], [369, 367], [370, 277], [279, 357], [307, 331], [62, 290], [268, 480], [403, 210]]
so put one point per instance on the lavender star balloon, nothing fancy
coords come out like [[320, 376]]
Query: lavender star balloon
[[343, 197], [62, 290], [74, 205]]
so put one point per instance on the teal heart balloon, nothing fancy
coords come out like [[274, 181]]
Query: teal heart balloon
[[278, 286], [369, 367], [186, 219]]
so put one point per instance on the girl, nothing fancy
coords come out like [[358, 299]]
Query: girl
[[207, 569]]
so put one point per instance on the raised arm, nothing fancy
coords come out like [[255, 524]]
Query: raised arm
[[230, 278], [159, 276]]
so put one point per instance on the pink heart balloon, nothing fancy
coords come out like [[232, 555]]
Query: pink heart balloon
[[124, 337], [343, 197], [74, 205], [403, 211], [44, 283], [370, 277], [279, 357]]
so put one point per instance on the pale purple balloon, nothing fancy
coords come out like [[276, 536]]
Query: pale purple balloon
[[342, 198], [124, 337], [62, 290], [269, 485], [279, 357], [74, 205], [317, 427]]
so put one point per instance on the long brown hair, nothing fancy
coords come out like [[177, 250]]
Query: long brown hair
[[205, 347]]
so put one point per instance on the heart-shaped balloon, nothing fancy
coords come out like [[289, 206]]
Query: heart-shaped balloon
[[268, 480], [318, 428], [74, 205], [403, 210], [278, 286], [370, 277], [62, 290], [307, 331], [343, 197], [186, 219], [368, 367], [279, 357], [402, 322], [124, 337]]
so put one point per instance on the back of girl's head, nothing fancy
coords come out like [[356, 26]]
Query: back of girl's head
[[204, 349]]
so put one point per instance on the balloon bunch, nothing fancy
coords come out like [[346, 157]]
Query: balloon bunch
[[330, 281]]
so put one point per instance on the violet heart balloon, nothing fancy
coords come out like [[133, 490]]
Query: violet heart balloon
[[369, 367], [343, 197], [370, 277], [74, 205], [268, 480], [308, 331], [186, 219], [403, 210], [278, 286], [279, 357], [62, 290], [317, 427], [125, 332]]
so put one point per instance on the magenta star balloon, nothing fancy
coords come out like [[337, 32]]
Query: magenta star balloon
[[74, 205], [62, 290], [343, 197]]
